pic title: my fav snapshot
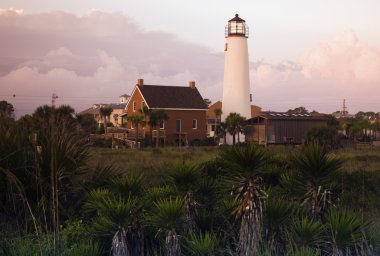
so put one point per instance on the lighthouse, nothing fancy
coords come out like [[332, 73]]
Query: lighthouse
[[236, 89]]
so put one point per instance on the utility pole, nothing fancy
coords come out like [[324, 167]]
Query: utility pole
[[53, 98], [344, 108]]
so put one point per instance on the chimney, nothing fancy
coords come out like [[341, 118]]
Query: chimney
[[140, 82], [192, 84]]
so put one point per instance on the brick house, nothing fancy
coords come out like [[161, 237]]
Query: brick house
[[184, 106]]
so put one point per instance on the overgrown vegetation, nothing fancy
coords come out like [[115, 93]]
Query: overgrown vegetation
[[58, 196]]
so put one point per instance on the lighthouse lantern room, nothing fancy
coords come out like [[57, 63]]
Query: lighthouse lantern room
[[237, 27]]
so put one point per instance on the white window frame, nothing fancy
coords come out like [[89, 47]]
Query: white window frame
[[196, 124], [162, 125], [134, 106], [142, 105]]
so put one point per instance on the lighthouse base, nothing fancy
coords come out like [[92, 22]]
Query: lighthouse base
[[239, 138]]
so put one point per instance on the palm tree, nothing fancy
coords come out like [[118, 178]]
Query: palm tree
[[185, 179], [105, 112], [235, 123], [315, 174], [249, 194], [116, 217], [157, 117], [218, 114], [167, 216], [136, 120], [222, 131], [147, 112]]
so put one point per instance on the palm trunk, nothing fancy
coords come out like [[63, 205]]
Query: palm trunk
[[172, 247], [250, 226]]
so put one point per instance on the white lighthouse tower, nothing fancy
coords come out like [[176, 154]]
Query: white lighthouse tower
[[236, 89]]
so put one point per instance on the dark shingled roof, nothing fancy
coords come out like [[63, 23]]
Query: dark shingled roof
[[159, 96], [237, 18]]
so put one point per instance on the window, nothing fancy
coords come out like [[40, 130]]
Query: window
[[178, 125], [132, 126], [142, 105], [162, 124], [134, 106], [194, 124]]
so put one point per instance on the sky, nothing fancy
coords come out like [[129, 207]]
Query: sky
[[302, 53]]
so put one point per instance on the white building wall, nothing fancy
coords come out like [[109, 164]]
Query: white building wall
[[236, 87]]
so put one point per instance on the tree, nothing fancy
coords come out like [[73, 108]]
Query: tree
[[147, 112], [221, 131], [105, 112], [207, 101], [299, 110], [235, 125], [248, 192], [218, 114], [315, 174], [136, 120], [327, 136], [6, 108], [157, 117], [167, 216], [87, 123]]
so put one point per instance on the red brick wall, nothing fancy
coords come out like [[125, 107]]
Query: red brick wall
[[186, 117]]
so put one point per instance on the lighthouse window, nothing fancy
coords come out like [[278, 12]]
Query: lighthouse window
[[225, 47], [194, 124]]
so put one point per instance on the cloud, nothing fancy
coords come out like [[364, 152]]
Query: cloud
[[343, 67], [98, 56], [92, 58]]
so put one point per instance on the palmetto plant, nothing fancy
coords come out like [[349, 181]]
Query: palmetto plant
[[277, 224], [167, 216], [248, 192], [201, 244], [315, 174], [128, 185], [347, 234], [185, 179], [308, 233], [305, 252], [115, 217]]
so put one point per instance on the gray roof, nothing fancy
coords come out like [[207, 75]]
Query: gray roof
[[284, 115]]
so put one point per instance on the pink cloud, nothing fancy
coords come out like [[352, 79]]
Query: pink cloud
[[96, 57], [343, 67]]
